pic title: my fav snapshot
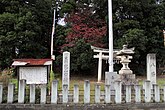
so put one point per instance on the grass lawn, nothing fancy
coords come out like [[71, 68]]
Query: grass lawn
[[160, 80]]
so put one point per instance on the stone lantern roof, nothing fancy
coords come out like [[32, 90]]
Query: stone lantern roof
[[125, 51]]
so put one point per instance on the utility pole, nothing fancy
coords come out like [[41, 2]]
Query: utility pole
[[52, 56], [164, 36], [53, 31]]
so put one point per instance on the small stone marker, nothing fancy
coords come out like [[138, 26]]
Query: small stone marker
[[118, 92], [54, 91], [110, 78], [32, 93], [76, 94], [66, 69], [86, 92], [1, 92], [147, 91], [10, 95], [21, 91], [151, 68]]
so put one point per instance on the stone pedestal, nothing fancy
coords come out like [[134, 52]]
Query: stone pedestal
[[127, 79]]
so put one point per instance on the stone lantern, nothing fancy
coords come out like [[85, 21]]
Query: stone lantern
[[125, 55], [126, 75]]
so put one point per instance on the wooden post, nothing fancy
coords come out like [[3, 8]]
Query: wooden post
[[21, 91], [54, 92], [43, 94], [32, 93], [118, 95], [86, 91], [10, 93], [137, 93], [76, 94]]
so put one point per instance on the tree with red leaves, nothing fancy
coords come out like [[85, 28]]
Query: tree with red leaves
[[87, 27]]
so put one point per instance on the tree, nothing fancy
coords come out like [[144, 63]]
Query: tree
[[83, 29], [7, 38], [25, 26], [136, 23], [85, 26], [82, 61], [141, 22]]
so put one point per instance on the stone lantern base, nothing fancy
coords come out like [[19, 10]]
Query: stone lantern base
[[128, 79], [125, 71]]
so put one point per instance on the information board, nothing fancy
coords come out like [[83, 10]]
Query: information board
[[33, 75]]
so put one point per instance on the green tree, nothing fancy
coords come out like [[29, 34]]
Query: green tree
[[82, 61], [7, 38], [25, 26], [137, 23], [83, 29], [141, 23]]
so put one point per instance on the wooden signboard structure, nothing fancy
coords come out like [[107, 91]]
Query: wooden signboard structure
[[34, 71]]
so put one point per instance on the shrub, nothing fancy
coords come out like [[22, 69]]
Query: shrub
[[6, 75]]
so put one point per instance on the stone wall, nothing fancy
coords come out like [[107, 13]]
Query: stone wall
[[140, 106]]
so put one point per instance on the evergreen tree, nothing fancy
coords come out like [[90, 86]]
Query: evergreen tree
[[25, 26]]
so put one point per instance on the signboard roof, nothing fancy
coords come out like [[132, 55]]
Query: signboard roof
[[32, 62]]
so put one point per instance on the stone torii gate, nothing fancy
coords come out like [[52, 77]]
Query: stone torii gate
[[103, 55]]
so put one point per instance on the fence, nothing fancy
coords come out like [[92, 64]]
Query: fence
[[121, 94]]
